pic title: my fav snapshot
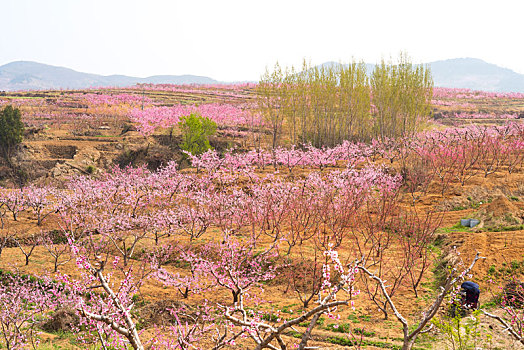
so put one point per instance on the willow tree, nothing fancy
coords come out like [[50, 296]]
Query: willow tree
[[402, 95], [270, 92], [326, 105], [318, 105], [355, 101]]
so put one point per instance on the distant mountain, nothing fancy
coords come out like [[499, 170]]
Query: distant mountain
[[470, 73], [475, 74], [26, 75]]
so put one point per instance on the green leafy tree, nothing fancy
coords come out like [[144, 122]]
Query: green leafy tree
[[272, 94], [402, 94], [325, 105], [11, 131], [196, 131]]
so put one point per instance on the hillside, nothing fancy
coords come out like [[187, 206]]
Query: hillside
[[25, 75], [469, 73], [475, 74]]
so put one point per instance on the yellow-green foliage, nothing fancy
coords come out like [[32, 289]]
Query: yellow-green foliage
[[402, 96], [326, 105]]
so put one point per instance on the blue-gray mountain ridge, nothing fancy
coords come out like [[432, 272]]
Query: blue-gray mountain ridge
[[470, 73]]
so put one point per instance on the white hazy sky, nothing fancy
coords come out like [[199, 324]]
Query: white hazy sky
[[235, 40]]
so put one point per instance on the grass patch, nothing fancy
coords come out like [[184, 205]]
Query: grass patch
[[288, 309], [319, 322], [503, 228], [514, 268], [363, 332], [270, 317], [490, 304], [440, 271], [295, 334], [455, 228], [338, 328], [365, 318], [353, 318]]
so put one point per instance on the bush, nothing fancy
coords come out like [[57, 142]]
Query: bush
[[11, 131], [196, 131]]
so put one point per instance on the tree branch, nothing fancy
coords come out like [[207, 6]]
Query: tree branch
[[506, 326]]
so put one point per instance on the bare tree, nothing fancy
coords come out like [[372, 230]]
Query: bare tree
[[410, 336]]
